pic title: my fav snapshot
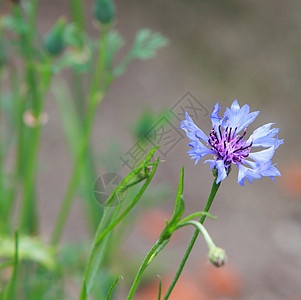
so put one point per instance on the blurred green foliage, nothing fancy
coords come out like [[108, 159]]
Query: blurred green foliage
[[30, 62]]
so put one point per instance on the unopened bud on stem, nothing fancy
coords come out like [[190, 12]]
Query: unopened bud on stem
[[217, 256]]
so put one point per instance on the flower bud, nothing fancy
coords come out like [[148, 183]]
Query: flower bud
[[217, 256], [104, 11], [54, 41]]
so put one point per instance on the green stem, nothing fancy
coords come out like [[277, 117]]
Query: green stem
[[98, 88], [28, 220], [201, 229], [19, 107], [95, 249], [142, 268], [78, 13], [28, 216], [194, 237]]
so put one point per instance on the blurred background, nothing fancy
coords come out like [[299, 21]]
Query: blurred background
[[218, 51]]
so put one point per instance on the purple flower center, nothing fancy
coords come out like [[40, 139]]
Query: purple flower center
[[228, 146]]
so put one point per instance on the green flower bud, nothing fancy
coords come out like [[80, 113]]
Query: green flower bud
[[54, 42], [104, 11], [217, 256]]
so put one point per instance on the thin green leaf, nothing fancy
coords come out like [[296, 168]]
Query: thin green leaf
[[128, 209], [179, 204], [178, 210], [112, 287], [132, 176], [158, 250], [83, 293], [96, 260], [147, 43], [108, 222], [103, 234], [145, 46], [160, 288]]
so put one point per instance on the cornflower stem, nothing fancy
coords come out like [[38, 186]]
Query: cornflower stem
[[213, 192], [142, 268], [95, 98], [201, 229]]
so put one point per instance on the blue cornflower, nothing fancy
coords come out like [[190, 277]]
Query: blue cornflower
[[229, 147]]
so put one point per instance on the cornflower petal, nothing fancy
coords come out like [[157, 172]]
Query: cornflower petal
[[278, 142], [239, 117], [263, 155], [192, 131], [198, 150], [263, 136], [267, 169], [215, 118], [220, 166], [246, 173]]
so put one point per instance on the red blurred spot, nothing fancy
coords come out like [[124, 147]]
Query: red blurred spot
[[222, 282], [187, 288], [291, 179], [151, 223]]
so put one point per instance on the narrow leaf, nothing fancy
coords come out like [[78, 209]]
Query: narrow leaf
[[83, 293], [178, 210], [160, 288], [112, 287], [132, 204], [109, 221]]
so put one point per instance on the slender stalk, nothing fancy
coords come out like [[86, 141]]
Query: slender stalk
[[28, 215], [201, 229], [142, 268], [78, 13], [194, 237], [98, 88], [111, 217], [19, 107], [95, 246], [28, 208]]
